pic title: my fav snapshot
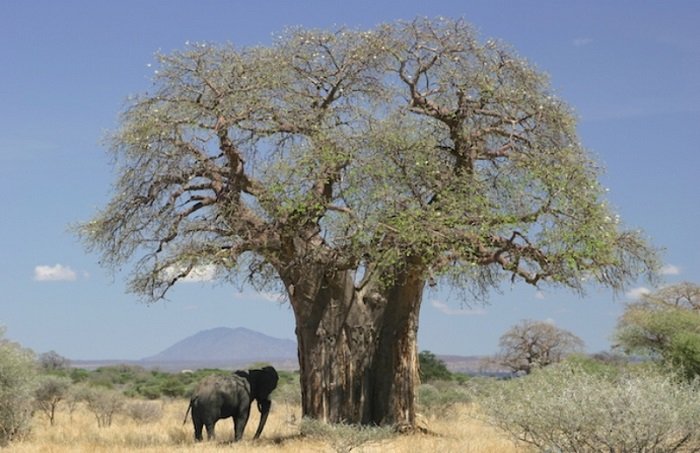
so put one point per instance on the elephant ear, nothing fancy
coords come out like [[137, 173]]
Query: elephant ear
[[243, 374], [263, 382]]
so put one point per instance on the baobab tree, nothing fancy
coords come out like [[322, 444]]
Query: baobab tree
[[352, 169], [530, 344]]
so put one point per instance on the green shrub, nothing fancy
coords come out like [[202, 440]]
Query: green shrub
[[438, 398], [432, 368], [17, 376], [78, 375], [592, 365], [665, 326], [565, 408]]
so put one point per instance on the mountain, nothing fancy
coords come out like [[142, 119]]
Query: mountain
[[226, 346], [240, 348]]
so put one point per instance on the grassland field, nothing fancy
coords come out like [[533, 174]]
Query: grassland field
[[458, 429]]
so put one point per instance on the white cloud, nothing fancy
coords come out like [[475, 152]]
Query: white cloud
[[636, 293], [446, 309], [54, 273], [203, 273], [581, 42], [670, 269]]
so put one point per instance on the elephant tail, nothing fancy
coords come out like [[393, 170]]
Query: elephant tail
[[188, 410]]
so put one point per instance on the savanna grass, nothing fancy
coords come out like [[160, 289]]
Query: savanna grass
[[285, 431]]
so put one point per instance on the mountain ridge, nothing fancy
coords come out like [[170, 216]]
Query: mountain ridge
[[240, 348], [226, 344]]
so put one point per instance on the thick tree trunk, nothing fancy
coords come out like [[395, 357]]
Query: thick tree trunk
[[357, 348], [395, 370]]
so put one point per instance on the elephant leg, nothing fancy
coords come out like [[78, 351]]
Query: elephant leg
[[198, 425], [239, 422], [210, 430]]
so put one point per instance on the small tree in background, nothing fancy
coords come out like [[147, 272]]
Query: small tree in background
[[51, 391], [53, 361], [665, 325], [535, 344], [17, 374], [103, 403]]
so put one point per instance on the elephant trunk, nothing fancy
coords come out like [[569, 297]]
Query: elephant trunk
[[264, 408]]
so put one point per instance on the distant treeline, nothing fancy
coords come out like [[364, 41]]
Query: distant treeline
[[139, 382]]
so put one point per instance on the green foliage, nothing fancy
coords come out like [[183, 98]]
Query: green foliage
[[432, 368], [684, 352], [665, 326], [565, 408], [137, 382], [17, 378], [78, 375], [610, 369], [438, 398]]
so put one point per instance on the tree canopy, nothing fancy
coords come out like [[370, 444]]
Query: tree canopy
[[665, 325], [410, 140], [432, 367], [535, 344]]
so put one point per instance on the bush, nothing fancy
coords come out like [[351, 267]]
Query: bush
[[17, 375], [432, 368], [104, 404], [439, 397], [344, 437], [565, 408], [53, 361], [144, 411]]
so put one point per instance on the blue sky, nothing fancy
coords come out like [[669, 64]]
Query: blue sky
[[630, 69]]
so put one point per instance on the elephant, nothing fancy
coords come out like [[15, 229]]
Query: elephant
[[217, 397]]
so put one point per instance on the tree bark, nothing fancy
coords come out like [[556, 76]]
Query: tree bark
[[395, 368], [357, 347]]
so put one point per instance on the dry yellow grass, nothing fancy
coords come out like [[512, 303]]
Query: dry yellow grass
[[79, 432]]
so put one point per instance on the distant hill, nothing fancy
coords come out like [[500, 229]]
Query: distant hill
[[239, 348], [226, 346]]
